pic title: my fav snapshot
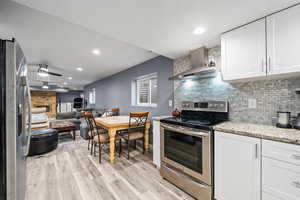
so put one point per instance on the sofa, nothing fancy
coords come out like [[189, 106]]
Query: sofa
[[75, 117]]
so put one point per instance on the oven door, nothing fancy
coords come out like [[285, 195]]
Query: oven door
[[188, 150]]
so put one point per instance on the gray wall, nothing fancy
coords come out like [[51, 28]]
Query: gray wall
[[271, 95], [115, 91], [68, 96]]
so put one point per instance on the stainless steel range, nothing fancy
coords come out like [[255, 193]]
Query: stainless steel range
[[187, 147]]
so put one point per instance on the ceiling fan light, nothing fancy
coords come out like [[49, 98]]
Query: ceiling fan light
[[44, 69], [43, 74], [45, 87]]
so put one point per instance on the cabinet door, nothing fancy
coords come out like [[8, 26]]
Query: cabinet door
[[244, 52], [283, 31], [280, 179], [237, 167]]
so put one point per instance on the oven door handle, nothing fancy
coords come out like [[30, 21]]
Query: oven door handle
[[188, 132]]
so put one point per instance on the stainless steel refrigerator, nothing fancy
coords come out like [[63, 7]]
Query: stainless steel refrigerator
[[15, 124]]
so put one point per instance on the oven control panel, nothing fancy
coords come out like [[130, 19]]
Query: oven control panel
[[212, 106]]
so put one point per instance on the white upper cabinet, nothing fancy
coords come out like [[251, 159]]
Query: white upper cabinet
[[267, 47], [283, 41], [237, 167], [244, 52]]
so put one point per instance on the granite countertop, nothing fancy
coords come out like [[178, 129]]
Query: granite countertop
[[261, 131], [157, 118]]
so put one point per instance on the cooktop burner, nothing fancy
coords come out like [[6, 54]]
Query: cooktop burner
[[201, 115], [200, 124]]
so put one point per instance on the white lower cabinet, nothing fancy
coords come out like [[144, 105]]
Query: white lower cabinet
[[280, 171], [252, 169], [237, 167]]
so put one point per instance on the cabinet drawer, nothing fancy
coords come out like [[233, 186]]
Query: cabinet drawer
[[281, 151], [280, 179]]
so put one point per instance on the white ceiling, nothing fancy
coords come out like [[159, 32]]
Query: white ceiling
[[164, 26], [63, 33], [48, 39]]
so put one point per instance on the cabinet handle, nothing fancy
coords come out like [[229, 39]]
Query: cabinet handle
[[256, 151], [296, 184], [296, 156]]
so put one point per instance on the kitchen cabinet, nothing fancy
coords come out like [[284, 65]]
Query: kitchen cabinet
[[266, 47], [280, 171], [237, 167], [283, 30], [244, 52]]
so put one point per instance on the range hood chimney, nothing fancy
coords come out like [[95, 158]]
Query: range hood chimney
[[200, 66]]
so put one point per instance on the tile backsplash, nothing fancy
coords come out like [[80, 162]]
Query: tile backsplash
[[270, 95]]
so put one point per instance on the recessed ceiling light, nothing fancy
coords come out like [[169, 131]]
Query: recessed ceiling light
[[79, 69], [70, 78], [199, 30], [96, 51], [65, 83]]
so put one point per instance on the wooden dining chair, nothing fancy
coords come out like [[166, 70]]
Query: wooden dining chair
[[112, 112], [136, 130], [90, 137], [98, 134]]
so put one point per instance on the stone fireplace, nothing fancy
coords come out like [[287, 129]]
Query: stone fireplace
[[47, 106], [45, 99]]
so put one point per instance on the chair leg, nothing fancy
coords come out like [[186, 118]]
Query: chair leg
[[100, 150], [115, 146], [134, 144], [143, 146], [89, 144], [95, 149], [120, 147], [92, 145], [128, 149]]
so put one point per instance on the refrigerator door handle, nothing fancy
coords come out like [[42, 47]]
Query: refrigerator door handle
[[29, 114]]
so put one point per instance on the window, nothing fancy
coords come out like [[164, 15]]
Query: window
[[146, 90], [92, 96]]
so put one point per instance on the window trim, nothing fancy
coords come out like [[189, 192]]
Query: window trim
[[93, 92], [137, 93]]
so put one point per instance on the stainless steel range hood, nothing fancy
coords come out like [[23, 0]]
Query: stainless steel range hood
[[200, 67]]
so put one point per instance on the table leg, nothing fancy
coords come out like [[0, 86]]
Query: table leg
[[147, 137], [74, 134], [112, 135]]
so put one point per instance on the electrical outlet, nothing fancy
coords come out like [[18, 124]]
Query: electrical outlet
[[252, 103], [170, 103]]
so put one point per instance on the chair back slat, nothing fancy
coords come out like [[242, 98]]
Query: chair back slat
[[137, 121], [112, 112], [91, 122]]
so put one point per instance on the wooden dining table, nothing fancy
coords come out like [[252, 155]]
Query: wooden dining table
[[114, 124]]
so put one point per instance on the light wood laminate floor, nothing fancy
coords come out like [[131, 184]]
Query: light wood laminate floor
[[70, 173]]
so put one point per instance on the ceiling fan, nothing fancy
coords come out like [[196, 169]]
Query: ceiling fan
[[47, 86], [44, 71]]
